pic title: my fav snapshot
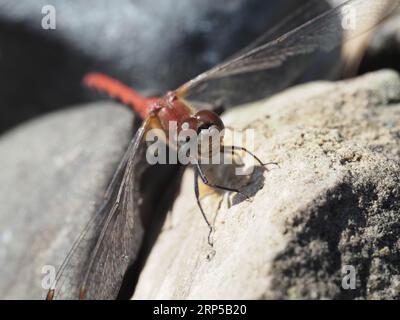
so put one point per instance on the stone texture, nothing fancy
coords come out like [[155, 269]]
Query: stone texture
[[333, 201], [54, 171]]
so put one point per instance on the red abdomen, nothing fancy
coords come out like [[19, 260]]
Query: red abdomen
[[118, 90]]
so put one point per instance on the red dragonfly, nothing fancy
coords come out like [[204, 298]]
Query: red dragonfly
[[96, 264]]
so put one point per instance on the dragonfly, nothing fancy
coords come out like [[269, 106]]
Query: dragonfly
[[95, 265]]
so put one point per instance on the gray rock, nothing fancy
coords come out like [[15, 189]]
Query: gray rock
[[54, 171], [332, 202]]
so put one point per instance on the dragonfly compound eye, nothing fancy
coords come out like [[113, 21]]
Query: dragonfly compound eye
[[207, 119]]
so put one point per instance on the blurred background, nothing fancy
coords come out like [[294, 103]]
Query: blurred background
[[153, 46]]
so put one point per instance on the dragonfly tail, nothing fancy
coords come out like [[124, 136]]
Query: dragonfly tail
[[120, 91]]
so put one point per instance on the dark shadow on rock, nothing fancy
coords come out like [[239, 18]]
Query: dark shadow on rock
[[331, 236], [159, 201]]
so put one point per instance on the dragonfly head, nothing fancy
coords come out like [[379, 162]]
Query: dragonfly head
[[210, 132], [208, 129], [207, 120]]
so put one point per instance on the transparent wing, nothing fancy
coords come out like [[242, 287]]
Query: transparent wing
[[293, 52], [99, 258], [305, 12]]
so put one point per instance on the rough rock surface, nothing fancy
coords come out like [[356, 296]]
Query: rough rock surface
[[54, 171], [333, 201]]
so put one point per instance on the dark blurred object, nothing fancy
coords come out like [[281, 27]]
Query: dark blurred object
[[384, 48], [152, 45], [37, 74]]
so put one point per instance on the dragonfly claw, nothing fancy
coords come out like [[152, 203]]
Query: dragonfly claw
[[270, 163], [245, 196]]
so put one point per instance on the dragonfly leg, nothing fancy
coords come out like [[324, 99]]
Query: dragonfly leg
[[216, 186], [196, 191], [236, 148]]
